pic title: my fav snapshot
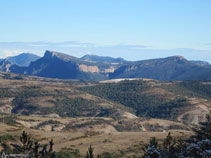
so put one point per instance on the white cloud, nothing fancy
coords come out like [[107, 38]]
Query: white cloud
[[78, 49], [7, 53], [38, 45], [73, 45]]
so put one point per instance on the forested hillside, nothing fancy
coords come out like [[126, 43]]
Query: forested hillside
[[140, 97], [153, 98]]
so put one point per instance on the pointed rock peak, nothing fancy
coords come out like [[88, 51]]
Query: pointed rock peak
[[61, 56], [49, 53]]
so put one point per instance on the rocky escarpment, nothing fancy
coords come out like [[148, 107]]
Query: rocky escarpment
[[5, 65], [59, 65], [85, 68], [63, 66], [166, 69]]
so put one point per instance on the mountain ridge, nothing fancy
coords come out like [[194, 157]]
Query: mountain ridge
[[59, 65], [199, 62], [107, 59], [23, 59], [167, 69]]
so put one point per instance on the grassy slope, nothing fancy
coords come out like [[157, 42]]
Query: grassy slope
[[57, 96], [86, 131], [145, 98], [41, 96]]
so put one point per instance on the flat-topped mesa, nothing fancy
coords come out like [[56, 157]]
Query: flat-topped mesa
[[177, 57], [105, 59]]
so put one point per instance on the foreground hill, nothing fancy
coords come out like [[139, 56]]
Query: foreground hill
[[71, 135], [118, 116], [95, 68], [52, 97], [187, 101]]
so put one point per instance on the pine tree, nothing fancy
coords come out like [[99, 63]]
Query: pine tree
[[169, 146], [200, 143], [51, 143], [151, 150], [197, 146], [31, 148], [26, 144], [90, 152], [204, 130], [153, 142], [36, 149]]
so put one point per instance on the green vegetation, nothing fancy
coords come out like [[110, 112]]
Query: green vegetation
[[66, 155], [21, 101], [197, 146], [63, 104], [30, 148], [49, 122], [132, 96], [129, 93], [8, 119], [75, 107], [88, 123], [25, 91], [204, 129], [6, 76], [90, 152], [5, 138], [5, 92], [202, 89]]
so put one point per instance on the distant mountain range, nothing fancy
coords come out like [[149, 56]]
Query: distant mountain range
[[23, 59], [103, 59], [167, 69], [91, 67], [201, 63]]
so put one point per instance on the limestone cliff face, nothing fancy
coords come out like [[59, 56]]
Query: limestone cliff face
[[63, 66], [110, 70], [95, 69], [85, 68], [5, 65], [8, 67]]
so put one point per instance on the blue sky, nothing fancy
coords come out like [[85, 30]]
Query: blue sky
[[133, 29]]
